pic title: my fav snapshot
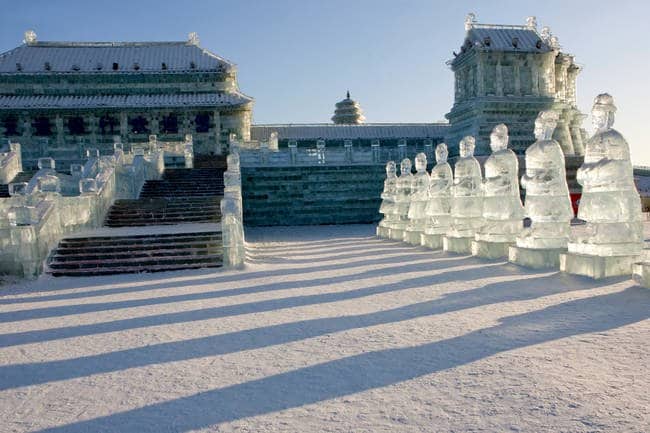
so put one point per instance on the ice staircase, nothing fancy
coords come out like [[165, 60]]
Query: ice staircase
[[183, 195], [23, 176], [173, 225]]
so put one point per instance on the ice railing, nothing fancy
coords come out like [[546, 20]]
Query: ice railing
[[180, 149], [54, 204], [10, 161], [321, 154], [232, 224]]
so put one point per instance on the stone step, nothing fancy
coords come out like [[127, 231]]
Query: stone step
[[102, 255], [141, 239], [91, 272], [140, 222]]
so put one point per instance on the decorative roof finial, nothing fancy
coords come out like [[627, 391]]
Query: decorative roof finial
[[30, 37], [470, 20], [546, 33], [193, 38], [348, 94], [531, 22]]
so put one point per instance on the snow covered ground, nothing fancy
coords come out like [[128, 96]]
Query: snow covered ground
[[327, 330]]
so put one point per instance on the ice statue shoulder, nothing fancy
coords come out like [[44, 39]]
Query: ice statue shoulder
[[441, 180]]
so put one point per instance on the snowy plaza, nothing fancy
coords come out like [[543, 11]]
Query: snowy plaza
[[328, 329]]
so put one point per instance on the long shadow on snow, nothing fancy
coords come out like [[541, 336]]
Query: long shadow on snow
[[376, 369], [27, 337], [234, 277], [17, 375], [65, 310]]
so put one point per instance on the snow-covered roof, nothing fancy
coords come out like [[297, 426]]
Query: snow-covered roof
[[100, 57], [340, 132], [507, 38], [123, 101]]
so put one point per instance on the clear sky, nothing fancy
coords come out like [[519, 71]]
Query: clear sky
[[298, 57]]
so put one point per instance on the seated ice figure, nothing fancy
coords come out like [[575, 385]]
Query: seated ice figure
[[419, 197], [467, 201], [402, 200], [548, 204], [387, 206], [438, 208], [502, 209], [610, 202]]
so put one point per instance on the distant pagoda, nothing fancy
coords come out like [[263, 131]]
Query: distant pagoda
[[348, 112]]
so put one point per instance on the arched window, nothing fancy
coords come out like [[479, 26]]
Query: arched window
[[139, 125], [11, 126], [76, 125], [42, 126], [202, 122], [169, 124], [108, 125]]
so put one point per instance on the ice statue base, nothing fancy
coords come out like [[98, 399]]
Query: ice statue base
[[597, 267], [490, 250], [536, 258], [431, 241], [641, 273], [412, 237], [396, 234], [457, 245], [383, 232]]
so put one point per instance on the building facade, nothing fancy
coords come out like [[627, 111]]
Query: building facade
[[508, 74], [59, 98]]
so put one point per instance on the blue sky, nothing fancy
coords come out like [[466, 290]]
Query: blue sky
[[297, 58]]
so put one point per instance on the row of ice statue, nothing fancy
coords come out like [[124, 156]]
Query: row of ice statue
[[465, 212]]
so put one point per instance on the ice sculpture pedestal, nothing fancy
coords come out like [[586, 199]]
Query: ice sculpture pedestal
[[383, 232], [490, 249], [641, 273], [458, 245], [433, 242], [597, 267], [412, 237], [396, 234], [536, 258]]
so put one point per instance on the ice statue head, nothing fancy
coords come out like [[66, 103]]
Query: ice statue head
[[441, 153], [466, 147], [602, 115], [391, 169], [545, 124], [499, 138], [420, 162], [405, 167]]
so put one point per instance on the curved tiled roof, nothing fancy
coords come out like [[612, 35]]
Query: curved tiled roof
[[123, 101], [99, 57]]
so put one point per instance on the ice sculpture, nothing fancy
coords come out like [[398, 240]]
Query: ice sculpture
[[547, 200], [613, 235], [467, 201], [402, 201], [502, 210], [419, 198], [438, 209], [387, 206], [548, 204]]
